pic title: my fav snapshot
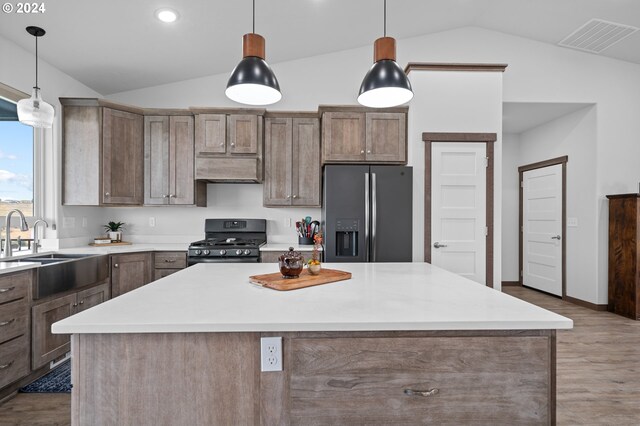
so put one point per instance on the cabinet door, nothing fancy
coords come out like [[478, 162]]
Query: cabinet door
[[305, 181], [211, 134], [156, 160], [386, 137], [277, 162], [129, 271], [243, 134], [92, 297], [45, 345], [181, 179], [122, 157], [343, 136]]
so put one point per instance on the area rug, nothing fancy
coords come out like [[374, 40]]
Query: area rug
[[55, 381]]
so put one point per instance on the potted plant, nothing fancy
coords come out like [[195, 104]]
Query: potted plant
[[114, 230], [314, 263]]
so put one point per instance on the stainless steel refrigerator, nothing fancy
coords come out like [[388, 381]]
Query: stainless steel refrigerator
[[367, 213]]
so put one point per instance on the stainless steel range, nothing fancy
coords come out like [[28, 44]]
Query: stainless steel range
[[229, 240]]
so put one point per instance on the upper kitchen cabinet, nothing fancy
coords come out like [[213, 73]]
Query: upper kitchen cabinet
[[102, 153], [228, 145], [359, 135], [292, 160], [169, 161]]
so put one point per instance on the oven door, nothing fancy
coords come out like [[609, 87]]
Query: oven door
[[194, 260]]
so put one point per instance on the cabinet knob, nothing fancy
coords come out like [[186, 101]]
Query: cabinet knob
[[368, 151], [362, 152], [288, 196], [233, 144], [82, 302], [222, 144], [74, 305], [115, 265], [172, 195], [295, 196], [165, 195], [106, 194]]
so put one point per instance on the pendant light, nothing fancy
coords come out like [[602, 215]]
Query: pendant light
[[34, 111], [386, 84], [252, 82]]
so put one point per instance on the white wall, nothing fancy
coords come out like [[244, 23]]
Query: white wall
[[17, 69], [573, 135], [510, 205]]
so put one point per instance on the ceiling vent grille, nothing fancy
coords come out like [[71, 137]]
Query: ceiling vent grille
[[597, 35]]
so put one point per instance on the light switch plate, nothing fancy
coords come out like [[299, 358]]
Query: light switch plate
[[572, 222], [271, 353]]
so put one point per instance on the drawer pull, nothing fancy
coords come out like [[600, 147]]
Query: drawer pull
[[170, 260], [2, 324], [430, 392], [4, 290], [3, 366]]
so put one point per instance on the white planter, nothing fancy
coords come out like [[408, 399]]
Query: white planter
[[115, 236]]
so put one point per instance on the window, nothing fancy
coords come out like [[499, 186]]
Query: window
[[16, 171]]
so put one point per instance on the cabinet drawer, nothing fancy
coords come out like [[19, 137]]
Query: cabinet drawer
[[269, 256], [14, 319], [365, 380], [15, 286], [170, 260], [14, 360]]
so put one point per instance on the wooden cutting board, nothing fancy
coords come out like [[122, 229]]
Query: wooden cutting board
[[276, 282]]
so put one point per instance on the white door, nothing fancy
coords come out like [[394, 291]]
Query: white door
[[542, 229], [458, 208]]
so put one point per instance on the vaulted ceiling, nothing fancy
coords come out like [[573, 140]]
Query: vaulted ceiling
[[118, 45]]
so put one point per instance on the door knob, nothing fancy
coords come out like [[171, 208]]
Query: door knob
[[116, 265], [438, 245], [557, 237]]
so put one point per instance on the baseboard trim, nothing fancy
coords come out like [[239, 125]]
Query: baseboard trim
[[585, 304], [511, 283]]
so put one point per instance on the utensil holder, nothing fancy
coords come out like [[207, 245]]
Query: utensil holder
[[305, 241]]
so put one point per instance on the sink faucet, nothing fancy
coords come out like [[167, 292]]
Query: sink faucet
[[8, 251], [36, 240]]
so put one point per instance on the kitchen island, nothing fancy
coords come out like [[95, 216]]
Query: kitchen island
[[398, 343]]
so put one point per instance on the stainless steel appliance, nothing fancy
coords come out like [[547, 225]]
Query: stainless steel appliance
[[229, 240], [367, 213]]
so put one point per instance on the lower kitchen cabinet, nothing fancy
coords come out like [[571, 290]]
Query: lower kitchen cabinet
[[47, 346], [130, 271], [14, 326], [168, 262]]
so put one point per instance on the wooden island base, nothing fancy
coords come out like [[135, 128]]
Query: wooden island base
[[468, 377]]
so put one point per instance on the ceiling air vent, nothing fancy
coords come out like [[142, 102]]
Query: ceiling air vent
[[597, 35]]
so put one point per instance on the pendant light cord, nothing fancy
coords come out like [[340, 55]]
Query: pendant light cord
[[36, 63], [254, 16], [385, 17]]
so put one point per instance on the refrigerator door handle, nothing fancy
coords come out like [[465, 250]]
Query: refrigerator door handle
[[374, 215], [366, 216]]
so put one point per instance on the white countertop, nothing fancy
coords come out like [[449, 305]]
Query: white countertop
[[285, 247], [380, 296]]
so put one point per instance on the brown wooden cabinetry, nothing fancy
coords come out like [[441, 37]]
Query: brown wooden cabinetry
[[228, 145], [168, 162], [168, 262], [47, 346], [102, 153], [356, 135], [14, 326], [292, 162], [624, 255], [130, 271]]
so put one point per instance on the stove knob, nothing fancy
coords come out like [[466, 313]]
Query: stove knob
[[247, 251], [238, 252], [198, 252], [206, 252], [223, 252]]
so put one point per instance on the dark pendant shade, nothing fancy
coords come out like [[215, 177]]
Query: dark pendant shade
[[253, 82], [385, 85]]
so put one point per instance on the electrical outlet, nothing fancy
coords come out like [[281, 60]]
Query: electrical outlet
[[572, 222], [152, 222], [271, 353]]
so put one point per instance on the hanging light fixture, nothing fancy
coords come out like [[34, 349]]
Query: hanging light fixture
[[386, 84], [252, 82], [34, 111]]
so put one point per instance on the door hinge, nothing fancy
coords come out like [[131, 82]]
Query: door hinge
[[521, 184], [522, 229], [486, 161], [521, 273], [486, 231]]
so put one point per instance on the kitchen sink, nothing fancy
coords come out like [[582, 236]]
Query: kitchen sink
[[59, 273]]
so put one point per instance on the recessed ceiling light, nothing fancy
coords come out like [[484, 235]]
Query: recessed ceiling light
[[167, 15]]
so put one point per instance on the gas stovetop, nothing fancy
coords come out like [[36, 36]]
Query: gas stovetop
[[230, 239]]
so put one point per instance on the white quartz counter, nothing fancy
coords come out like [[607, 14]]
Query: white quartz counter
[[285, 247], [380, 296]]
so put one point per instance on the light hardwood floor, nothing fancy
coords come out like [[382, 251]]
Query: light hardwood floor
[[598, 372]]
